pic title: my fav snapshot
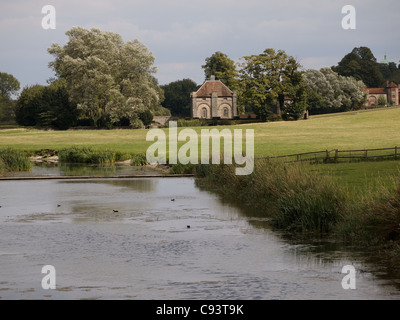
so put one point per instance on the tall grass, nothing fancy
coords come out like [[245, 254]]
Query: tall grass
[[139, 160], [295, 199], [299, 199], [14, 160], [2, 167], [86, 155], [381, 217]]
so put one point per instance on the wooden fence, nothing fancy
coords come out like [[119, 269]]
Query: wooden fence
[[336, 155]]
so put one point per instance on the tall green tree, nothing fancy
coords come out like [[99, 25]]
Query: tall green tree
[[9, 86], [107, 78], [361, 64], [46, 107], [223, 68], [266, 79], [177, 96]]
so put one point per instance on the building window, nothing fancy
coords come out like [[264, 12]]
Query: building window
[[226, 113], [204, 113]]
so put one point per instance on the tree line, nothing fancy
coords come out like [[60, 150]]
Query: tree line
[[263, 81], [102, 81]]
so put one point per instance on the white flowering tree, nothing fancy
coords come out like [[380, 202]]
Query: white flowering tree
[[330, 92], [107, 78]]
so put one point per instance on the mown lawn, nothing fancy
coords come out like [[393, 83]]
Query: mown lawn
[[378, 128]]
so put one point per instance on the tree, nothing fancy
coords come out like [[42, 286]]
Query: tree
[[223, 68], [46, 107], [28, 105], [107, 78], [361, 64], [382, 101], [146, 117], [266, 79], [177, 96], [329, 92], [9, 86]]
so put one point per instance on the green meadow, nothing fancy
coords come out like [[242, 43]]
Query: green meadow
[[378, 128], [364, 129]]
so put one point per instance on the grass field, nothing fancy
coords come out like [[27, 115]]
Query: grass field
[[377, 128]]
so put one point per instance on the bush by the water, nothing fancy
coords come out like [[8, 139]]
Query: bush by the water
[[86, 155], [139, 160], [182, 169], [14, 160]]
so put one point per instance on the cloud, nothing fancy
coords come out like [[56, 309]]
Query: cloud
[[169, 72], [181, 33]]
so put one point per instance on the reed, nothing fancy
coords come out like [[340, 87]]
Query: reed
[[381, 217], [86, 155], [295, 199], [2, 167], [14, 160], [139, 160]]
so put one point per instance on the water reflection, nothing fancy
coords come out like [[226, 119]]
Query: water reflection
[[142, 186], [64, 169]]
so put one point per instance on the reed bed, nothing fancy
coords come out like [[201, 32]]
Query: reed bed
[[14, 160]]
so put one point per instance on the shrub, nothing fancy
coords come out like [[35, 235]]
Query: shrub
[[119, 156], [382, 101], [182, 169], [192, 123], [139, 160], [146, 117]]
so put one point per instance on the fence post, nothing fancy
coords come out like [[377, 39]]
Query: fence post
[[366, 154], [395, 153], [336, 155]]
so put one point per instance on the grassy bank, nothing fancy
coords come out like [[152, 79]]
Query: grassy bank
[[305, 200]]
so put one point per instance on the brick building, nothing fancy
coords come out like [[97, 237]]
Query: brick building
[[390, 93], [213, 100]]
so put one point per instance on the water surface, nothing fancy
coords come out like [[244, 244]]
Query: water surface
[[146, 250]]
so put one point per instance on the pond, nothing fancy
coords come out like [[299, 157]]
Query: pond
[[161, 238]]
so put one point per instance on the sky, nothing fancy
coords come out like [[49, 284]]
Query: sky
[[181, 34]]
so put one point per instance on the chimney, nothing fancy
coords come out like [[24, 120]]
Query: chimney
[[212, 78]]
